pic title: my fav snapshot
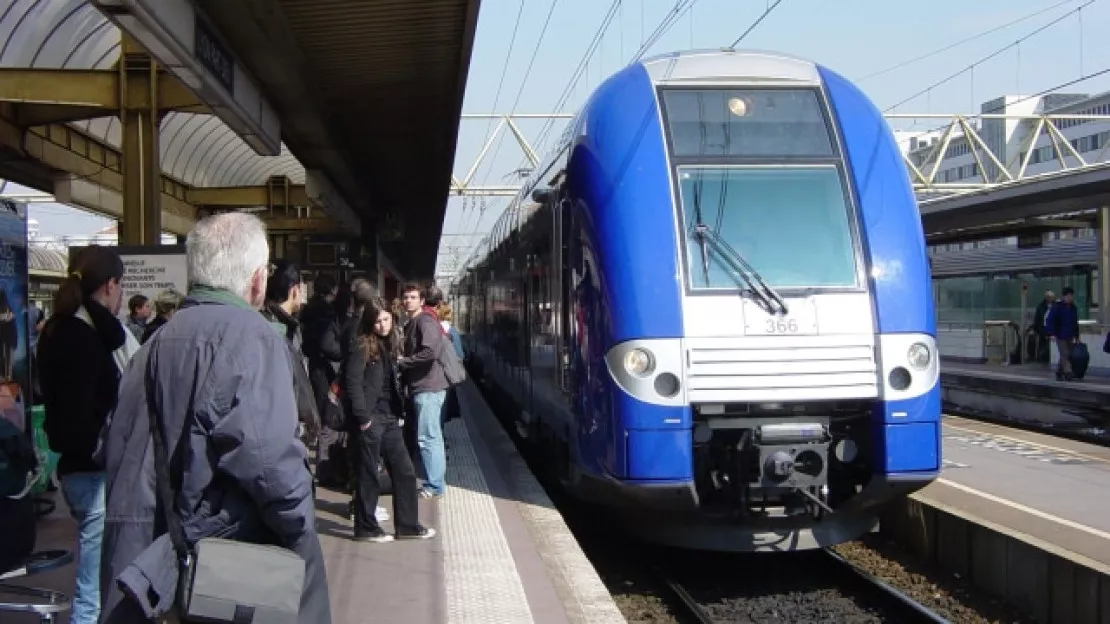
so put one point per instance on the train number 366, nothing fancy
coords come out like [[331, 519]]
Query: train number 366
[[782, 326]]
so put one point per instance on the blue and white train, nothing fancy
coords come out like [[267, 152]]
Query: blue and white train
[[712, 306]]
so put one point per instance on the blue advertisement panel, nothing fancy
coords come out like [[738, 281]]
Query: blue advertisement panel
[[15, 369]]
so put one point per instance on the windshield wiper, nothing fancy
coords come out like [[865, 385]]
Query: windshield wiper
[[701, 240], [767, 296]]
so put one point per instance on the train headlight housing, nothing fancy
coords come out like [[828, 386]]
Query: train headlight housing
[[639, 362], [919, 356]]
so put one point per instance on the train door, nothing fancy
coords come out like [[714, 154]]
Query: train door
[[563, 290], [524, 283]]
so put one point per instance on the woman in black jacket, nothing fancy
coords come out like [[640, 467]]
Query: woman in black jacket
[[81, 353], [373, 394]]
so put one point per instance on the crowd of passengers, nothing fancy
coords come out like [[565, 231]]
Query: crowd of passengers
[[240, 375]]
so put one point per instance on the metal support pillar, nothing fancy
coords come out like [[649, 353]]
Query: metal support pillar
[[1104, 265], [142, 173]]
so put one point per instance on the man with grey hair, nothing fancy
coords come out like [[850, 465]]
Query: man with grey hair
[[222, 395]]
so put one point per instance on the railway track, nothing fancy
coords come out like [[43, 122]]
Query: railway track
[[813, 587], [1090, 434]]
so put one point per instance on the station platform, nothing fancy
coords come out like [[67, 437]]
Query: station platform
[[1027, 392], [503, 553], [1052, 489], [1021, 516]]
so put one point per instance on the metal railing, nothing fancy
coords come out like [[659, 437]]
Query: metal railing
[[1005, 342]]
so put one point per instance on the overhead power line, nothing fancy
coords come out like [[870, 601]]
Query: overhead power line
[[756, 23], [988, 57], [961, 42]]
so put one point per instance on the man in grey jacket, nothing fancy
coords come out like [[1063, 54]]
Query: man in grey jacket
[[427, 385], [223, 394]]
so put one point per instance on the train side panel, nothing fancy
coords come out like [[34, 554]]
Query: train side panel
[[619, 184], [906, 422]]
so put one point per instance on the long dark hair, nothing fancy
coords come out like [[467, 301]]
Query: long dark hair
[[369, 341], [91, 268]]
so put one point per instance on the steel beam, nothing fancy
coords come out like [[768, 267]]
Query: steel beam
[[142, 171], [923, 163], [46, 96], [230, 196], [66, 149], [313, 225]]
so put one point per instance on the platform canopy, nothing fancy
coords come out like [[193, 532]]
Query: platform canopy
[[367, 92]]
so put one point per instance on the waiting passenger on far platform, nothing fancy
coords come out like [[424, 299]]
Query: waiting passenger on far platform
[[426, 384], [165, 304], [82, 352], [138, 315], [373, 391], [222, 393], [1039, 315], [1062, 325]]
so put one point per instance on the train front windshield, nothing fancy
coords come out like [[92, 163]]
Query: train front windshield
[[760, 168]]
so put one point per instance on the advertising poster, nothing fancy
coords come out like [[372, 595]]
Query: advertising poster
[[149, 271], [15, 370]]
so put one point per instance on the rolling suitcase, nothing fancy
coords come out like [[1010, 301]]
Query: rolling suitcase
[[1080, 360]]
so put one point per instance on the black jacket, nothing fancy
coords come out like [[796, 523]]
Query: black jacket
[[80, 383], [365, 385], [308, 412], [320, 333], [152, 327]]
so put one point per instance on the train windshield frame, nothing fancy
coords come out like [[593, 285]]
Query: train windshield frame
[[762, 167]]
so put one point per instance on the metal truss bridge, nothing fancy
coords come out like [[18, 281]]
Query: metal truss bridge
[[949, 140]]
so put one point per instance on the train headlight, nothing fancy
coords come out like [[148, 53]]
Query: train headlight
[[639, 362], [919, 356]]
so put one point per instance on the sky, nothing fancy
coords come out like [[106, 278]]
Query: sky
[[858, 38]]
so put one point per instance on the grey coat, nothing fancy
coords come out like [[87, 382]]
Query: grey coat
[[224, 394]]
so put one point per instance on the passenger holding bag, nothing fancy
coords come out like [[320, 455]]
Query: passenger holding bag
[[201, 458], [224, 580]]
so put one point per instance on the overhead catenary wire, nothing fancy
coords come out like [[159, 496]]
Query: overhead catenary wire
[[501, 83], [756, 23], [963, 41], [679, 9], [606, 21], [988, 57], [516, 102], [577, 73]]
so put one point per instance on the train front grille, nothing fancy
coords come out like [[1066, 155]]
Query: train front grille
[[771, 368]]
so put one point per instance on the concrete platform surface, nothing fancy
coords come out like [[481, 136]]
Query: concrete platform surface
[[503, 553], [1054, 490]]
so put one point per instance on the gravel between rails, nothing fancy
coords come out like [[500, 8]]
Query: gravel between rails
[[943, 592], [789, 587]]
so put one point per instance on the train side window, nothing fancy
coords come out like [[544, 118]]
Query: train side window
[[543, 344]]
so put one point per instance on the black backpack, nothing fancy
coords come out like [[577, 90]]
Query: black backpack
[[17, 515], [17, 459]]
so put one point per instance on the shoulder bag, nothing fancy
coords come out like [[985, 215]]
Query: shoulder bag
[[449, 360], [223, 580]]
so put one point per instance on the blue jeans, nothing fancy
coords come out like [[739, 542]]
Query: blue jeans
[[429, 438], [84, 493]]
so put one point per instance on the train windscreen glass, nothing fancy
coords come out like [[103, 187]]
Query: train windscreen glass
[[759, 168]]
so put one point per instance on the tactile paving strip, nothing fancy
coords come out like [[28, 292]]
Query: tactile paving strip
[[483, 584]]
